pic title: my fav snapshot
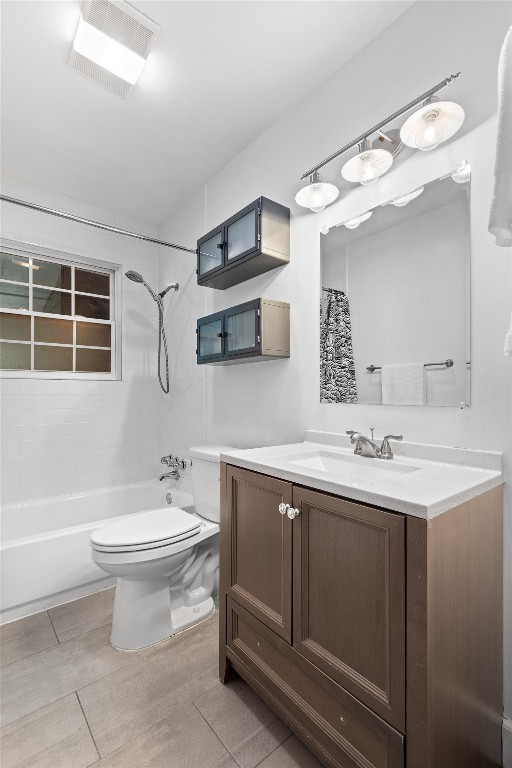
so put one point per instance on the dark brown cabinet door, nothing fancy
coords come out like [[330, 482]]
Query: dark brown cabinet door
[[349, 597], [261, 548]]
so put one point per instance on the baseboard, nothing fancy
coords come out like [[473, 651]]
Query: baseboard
[[507, 743], [66, 596]]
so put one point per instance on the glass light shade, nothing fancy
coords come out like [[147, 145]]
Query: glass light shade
[[462, 174], [355, 222], [368, 166], [107, 53], [317, 194], [432, 124], [404, 199]]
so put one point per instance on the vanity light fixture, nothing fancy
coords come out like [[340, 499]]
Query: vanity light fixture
[[368, 165], [317, 194], [355, 222], [111, 44], [405, 199], [435, 121]]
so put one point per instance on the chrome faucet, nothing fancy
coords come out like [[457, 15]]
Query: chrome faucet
[[175, 465], [366, 447], [174, 474]]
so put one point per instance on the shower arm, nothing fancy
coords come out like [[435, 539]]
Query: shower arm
[[92, 223]]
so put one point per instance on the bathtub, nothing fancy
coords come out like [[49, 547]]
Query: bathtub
[[45, 549]]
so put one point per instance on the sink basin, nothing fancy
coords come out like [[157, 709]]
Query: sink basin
[[349, 466]]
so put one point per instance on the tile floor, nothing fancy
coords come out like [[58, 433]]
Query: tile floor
[[69, 700]]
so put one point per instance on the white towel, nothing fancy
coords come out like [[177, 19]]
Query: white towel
[[500, 217], [403, 384], [508, 341]]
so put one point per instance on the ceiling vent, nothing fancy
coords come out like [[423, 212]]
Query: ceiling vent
[[112, 43]]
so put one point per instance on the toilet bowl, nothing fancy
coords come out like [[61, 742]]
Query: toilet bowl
[[165, 561]]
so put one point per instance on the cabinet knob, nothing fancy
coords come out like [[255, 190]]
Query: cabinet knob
[[283, 508], [292, 513]]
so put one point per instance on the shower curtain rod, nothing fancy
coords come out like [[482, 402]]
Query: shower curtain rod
[[92, 223]]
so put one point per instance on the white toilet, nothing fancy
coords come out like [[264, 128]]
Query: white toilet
[[165, 560]]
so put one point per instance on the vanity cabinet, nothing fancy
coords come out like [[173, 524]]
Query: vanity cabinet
[[375, 635], [253, 241], [250, 332]]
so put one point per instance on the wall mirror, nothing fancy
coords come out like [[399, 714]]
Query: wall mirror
[[395, 300]]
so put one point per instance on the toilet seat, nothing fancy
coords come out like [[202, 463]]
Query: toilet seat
[[154, 529]]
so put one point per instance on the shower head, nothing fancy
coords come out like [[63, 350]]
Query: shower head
[[135, 276]]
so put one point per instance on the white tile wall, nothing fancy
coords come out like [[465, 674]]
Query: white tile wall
[[62, 436], [181, 414]]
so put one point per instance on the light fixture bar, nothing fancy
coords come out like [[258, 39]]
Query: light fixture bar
[[92, 223], [376, 128]]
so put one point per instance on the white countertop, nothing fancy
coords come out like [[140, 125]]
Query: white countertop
[[421, 480]]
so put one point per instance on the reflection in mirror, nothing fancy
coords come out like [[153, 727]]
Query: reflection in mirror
[[394, 320]]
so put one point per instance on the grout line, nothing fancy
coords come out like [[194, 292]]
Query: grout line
[[88, 726], [279, 745], [214, 732], [55, 631]]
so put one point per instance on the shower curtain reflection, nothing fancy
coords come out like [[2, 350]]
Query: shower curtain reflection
[[337, 372]]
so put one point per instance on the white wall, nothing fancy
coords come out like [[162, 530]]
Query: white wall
[[273, 402], [62, 436]]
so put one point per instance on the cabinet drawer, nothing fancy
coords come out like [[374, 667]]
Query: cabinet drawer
[[343, 732]]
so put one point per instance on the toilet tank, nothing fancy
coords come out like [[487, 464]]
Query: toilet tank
[[206, 479]]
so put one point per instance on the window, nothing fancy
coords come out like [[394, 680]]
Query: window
[[57, 317]]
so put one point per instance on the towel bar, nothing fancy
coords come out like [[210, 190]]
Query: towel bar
[[446, 363]]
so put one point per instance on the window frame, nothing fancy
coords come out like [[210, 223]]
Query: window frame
[[28, 250]]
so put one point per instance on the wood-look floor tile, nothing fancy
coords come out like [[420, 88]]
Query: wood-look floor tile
[[55, 736], [126, 703], [291, 754], [182, 740], [26, 636], [31, 683], [242, 721], [80, 616]]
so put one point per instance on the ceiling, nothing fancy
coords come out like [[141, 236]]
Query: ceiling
[[218, 75]]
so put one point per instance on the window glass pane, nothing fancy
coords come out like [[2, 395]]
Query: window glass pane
[[241, 330], [14, 268], [53, 302], [210, 254], [93, 334], [210, 340], [88, 306], [92, 282], [14, 356], [49, 273], [13, 296], [52, 330], [53, 358], [93, 360], [14, 326], [242, 235]]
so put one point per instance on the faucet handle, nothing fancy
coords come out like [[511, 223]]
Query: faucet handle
[[167, 460], [385, 450]]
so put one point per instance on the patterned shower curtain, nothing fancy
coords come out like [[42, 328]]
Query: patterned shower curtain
[[337, 372]]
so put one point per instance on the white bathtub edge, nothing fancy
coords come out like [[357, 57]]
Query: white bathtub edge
[[44, 603]]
